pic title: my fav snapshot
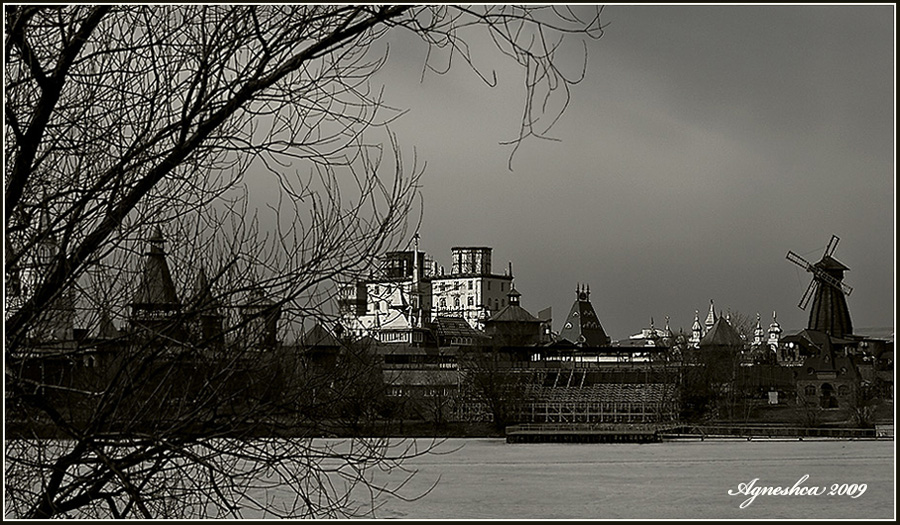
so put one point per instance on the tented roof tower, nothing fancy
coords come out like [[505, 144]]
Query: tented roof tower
[[722, 334], [582, 325], [156, 306], [156, 291]]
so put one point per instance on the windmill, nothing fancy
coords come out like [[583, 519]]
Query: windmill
[[827, 289]]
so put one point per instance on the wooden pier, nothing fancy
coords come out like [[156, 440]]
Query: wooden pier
[[764, 432], [655, 433], [581, 433]]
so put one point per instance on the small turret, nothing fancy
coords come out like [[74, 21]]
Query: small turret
[[774, 331], [696, 330], [758, 332], [711, 317]]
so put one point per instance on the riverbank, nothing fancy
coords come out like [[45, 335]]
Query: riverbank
[[835, 425]]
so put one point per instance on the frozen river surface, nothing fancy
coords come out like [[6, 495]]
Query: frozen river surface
[[488, 478]]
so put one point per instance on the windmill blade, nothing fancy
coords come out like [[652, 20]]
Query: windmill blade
[[799, 261], [832, 245], [807, 295], [824, 277]]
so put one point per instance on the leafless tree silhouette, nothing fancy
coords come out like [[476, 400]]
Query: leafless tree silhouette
[[128, 124], [490, 380]]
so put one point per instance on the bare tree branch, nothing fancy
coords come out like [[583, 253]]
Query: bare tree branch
[[184, 186]]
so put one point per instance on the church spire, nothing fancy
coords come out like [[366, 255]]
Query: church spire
[[758, 332], [711, 316], [774, 331], [696, 330]]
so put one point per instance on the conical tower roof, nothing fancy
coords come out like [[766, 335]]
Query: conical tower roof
[[722, 334], [582, 325], [156, 289], [204, 300]]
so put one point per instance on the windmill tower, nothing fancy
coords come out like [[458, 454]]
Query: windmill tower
[[829, 313]]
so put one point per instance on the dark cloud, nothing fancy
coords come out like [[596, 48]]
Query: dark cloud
[[704, 143]]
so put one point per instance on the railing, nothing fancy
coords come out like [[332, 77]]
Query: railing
[[699, 431], [583, 427], [775, 431]]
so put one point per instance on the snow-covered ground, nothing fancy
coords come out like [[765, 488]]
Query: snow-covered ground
[[488, 478]]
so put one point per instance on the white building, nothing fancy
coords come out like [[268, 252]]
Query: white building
[[393, 303], [409, 291], [471, 290], [652, 336]]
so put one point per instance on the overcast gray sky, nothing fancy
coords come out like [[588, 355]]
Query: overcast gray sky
[[704, 143]]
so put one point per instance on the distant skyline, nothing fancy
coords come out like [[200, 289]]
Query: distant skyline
[[703, 144]]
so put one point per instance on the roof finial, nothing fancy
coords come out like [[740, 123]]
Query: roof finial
[[157, 241]]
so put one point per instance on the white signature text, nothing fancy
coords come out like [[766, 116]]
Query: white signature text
[[751, 489]]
